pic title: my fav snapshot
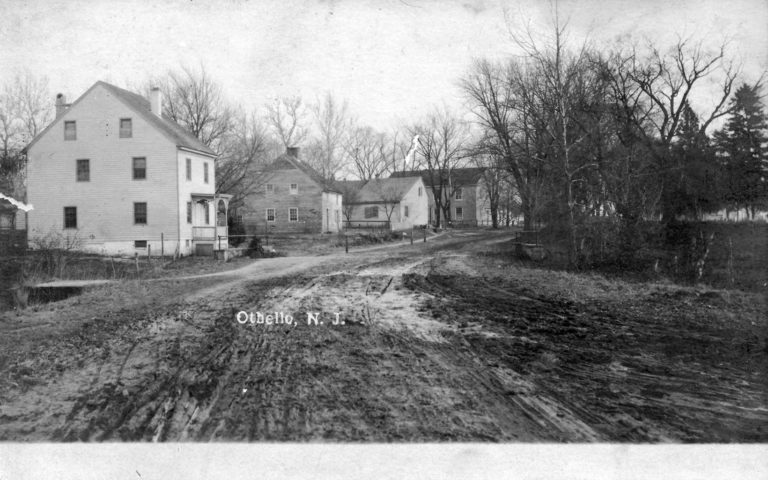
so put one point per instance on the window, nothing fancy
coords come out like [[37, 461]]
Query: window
[[84, 170], [70, 130], [207, 214], [293, 214], [70, 217], [140, 213], [459, 213], [205, 172], [336, 216], [371, 212], [294, 188], [140, 244], [139, 168], [458, 194], [270, 188], [189, 169], [270, 214], [126, 128], [405, 211], [189, 212], [419, 191]]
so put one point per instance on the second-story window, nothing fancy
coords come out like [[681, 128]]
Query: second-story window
[[270, 214], [270, 188], [83, 170], [126, 128], [189, 212], [139, 168], [70, 130], [294, 189], [458, 194], [205, 172], [140, 213], [189, 169]]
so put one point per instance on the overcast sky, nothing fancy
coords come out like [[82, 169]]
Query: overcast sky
[[392, 59]]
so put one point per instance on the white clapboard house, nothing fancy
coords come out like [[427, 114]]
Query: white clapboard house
[[119, 176]]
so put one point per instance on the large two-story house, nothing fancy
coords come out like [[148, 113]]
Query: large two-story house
[[119, 177], [292, 198]]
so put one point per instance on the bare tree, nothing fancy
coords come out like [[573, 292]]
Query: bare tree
[[287, 118], [367, 151], [389, 195], [25, 109], [350, 194], [514, 133], [196, 102], [244, 153], [332, 124], [442, 138], [666, 82]]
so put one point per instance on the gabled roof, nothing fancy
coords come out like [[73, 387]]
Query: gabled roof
[[459, 176], [141, 105], [392, 189], [289, 162]]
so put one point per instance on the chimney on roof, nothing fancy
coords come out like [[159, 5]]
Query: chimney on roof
[[292, 152], [156, 101], [61, 104]]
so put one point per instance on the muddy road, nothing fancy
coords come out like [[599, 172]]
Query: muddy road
[[446, 341]]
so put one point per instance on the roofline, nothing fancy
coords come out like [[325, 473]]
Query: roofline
[[192, 150], [56, 119], [374, 203]]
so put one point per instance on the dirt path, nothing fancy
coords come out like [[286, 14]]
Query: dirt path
[[439, 342]]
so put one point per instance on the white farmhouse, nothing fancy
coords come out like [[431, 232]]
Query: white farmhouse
[[394, 203], [119, 175]]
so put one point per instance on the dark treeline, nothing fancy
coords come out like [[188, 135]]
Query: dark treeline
[[608, 140]]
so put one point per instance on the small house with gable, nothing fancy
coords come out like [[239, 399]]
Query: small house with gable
[[292, 198]]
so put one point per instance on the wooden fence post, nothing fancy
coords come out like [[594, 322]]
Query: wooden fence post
[[425, 234], [162, 245], [136, 258], [346, 243], [411, 234], [149, 254]]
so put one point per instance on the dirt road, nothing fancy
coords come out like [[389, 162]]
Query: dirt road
[[446, 341]]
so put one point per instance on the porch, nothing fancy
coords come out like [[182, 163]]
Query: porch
[[209, 237]]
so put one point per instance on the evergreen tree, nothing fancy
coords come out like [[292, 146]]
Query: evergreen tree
[[743, 149], [693, 190]]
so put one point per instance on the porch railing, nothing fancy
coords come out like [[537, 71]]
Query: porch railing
[[208, 233]]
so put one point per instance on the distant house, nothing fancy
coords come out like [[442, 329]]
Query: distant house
[[466, 193], [292, 197], [396, 203], [119, 175]]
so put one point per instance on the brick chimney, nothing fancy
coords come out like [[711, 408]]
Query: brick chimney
[[61, 105], [292, 152], [156, 101]]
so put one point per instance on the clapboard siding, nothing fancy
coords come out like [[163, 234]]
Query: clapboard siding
[[310, 200], [105, 203]]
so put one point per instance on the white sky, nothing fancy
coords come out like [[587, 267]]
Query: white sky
[[392, 59]]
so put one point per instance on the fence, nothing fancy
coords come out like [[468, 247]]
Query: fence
[[367, 224]]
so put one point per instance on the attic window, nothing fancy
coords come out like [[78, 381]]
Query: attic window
[[419, 191], [294, 188], [126, 128], [70, 130], [270, 188]]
